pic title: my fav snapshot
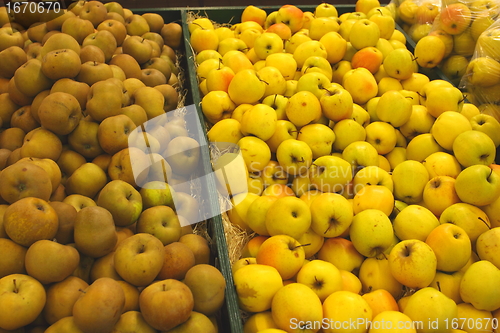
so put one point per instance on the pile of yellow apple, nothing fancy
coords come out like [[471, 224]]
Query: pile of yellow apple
[[92, 237], [372, 191], [459, 25]]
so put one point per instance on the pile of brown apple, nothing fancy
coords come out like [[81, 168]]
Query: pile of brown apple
[[87, 245]]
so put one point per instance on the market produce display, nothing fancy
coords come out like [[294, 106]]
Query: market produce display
[[369, 191], [88, 244]]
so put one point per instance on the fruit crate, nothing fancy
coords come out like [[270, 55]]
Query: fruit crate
[[228, 320]]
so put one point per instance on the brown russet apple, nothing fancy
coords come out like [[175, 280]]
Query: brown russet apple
[[92, 72], [155, 37], [66, 214], [136, 25], [114, 7], [37, 31], [22, 299], [155, 21], [41, 143], [139, 259], [161, 222], [136, 113], [7, 109], [123, 233], [58, 194], [118, 73], [3, 207], [197, 323], [199, 246], [104, 267], [16, 95], [94, 11], [151, 100], [50, 166], [12, 261], [115, 16], [57, 20], [12, 138], [133, 321], [79, 90], [130, 165], [183, 155], [33, 51], [152, 77], [24, 179], [61, 297], [172, 34], [49, 261], [131, 296], [92, 53], [171, 97], [23, 119], [59, 40], [36, 104], [95, 233], [122, 200], [47, 36], [102, 161], [208, 287], [117, 28], [10, 60], [139, 48], [160, 64], [178, 260], [62, 63], [4, 155], [104, 100], [103, 39], [84, 139], [30, 219], [168, 53], [78, 28], [69, 161], [113, 133], [60, 113], [87, 180], [84, 267], [166, 304], [132, 84], [128, 64], [99, 306], [4, 86], [14, 156], [10, 37], [155, 48], [76, 6], [79, 202]]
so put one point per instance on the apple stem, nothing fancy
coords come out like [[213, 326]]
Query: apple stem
[[438, 285], [16, 290], [414, 58], [462, 100], [482, 220], [301, 245], [81, 290], [195, 23]]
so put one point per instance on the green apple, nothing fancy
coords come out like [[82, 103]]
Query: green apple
[[478, 286], [260, 121], [331, 214], [439, 193], [346, 132], [330, 173], [268, 43], [294, 156], [474, 147], [478, 185], [318, 137], [394, 108], [372, 175], [275, 82], [246, 87], [487, 124], [288, 216], [382, 136], [429, 51], [284, 130], [303, 108], [321, 276], [374, 274], [364, 33], [422, 146], [410, 178], [485, 245], [315, 82], [217, 105], [451, 245], [282, 252], [361, 84], [284, 62], [470, 218], [308, 49], [371, 232], [413, 263], [360, 154], [432, 308], [336, 103], [406, 225], [448, 126]]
